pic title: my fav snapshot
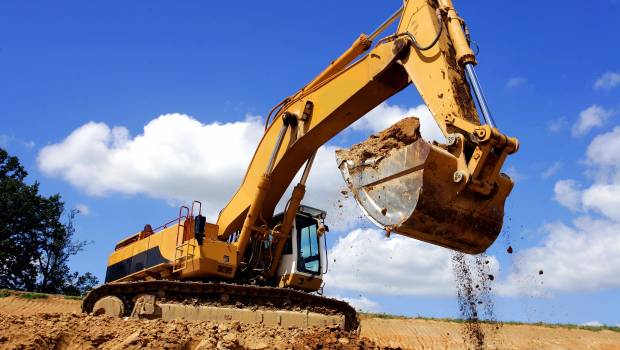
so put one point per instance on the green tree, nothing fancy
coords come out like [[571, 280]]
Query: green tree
[[35, 245]]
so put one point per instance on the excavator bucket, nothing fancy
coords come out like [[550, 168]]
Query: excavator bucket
[[404, 184]]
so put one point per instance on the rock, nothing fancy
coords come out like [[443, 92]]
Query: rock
[[204, 344], [231, 338], [257, 346], [344, 341], [331, 339], [132, 338]]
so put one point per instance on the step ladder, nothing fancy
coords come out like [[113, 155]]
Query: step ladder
[[183, 253], [186, 249]]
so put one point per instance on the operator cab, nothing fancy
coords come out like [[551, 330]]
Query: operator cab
[[304, 258]]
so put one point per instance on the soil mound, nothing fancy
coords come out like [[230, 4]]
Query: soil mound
[[404, 132], [79, 331], [16, 305]]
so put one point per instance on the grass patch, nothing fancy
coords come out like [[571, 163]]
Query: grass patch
[[459, 320], [33, 295], [4, 293], [72, 297], [571, 326], [383, 316]]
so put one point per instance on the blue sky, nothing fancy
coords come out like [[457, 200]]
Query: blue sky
[[550, 71]]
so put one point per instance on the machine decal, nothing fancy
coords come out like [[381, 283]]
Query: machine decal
[[135, 263]]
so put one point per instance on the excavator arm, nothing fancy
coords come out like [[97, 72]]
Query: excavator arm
[[430, 50]]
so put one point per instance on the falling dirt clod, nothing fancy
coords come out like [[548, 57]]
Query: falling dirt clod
[[467, 296], [473, 282]]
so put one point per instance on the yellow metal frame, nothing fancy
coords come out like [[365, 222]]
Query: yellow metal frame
[[347, 90]]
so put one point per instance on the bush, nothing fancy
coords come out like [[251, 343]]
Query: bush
[[33, 296]]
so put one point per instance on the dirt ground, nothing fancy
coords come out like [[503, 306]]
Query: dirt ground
[[428, 334], [56, 323]]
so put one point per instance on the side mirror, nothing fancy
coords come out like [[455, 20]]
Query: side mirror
[[322, 228]]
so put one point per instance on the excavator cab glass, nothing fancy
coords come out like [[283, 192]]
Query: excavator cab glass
[[308, 253]]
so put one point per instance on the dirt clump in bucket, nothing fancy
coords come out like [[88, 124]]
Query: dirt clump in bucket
[[403, 133]]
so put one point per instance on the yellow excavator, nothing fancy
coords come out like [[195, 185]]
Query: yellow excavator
[[256, 266]]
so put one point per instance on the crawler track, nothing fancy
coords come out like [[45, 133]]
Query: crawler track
[[208, 293]]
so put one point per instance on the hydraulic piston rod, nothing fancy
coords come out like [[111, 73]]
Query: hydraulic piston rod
[[482, 102]]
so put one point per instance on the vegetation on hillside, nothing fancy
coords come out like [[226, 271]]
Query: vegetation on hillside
[[458, 320]]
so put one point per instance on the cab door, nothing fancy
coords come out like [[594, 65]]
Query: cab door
[[303, 256]]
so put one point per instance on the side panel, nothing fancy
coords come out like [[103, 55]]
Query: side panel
[[138, 262], [156, 249], [213, 259]]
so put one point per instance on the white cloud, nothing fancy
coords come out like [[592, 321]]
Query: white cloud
[[179, 159], [604, 150], [176, 158], [592, 117], [366, 261], [603, 199], [583, 255], [515, 174], [551, 170], [5, 140], [83, 209], [557, 125], [607, 81], [29, 144], [592, 324], [516, 82], [568, 194], [384, 115], [361, 303]]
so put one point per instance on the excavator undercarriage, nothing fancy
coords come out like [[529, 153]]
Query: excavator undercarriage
[[277, 307]]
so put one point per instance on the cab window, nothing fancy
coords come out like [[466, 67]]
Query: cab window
[[308, 259]]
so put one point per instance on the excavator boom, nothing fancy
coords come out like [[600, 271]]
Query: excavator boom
[[430, 50]]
